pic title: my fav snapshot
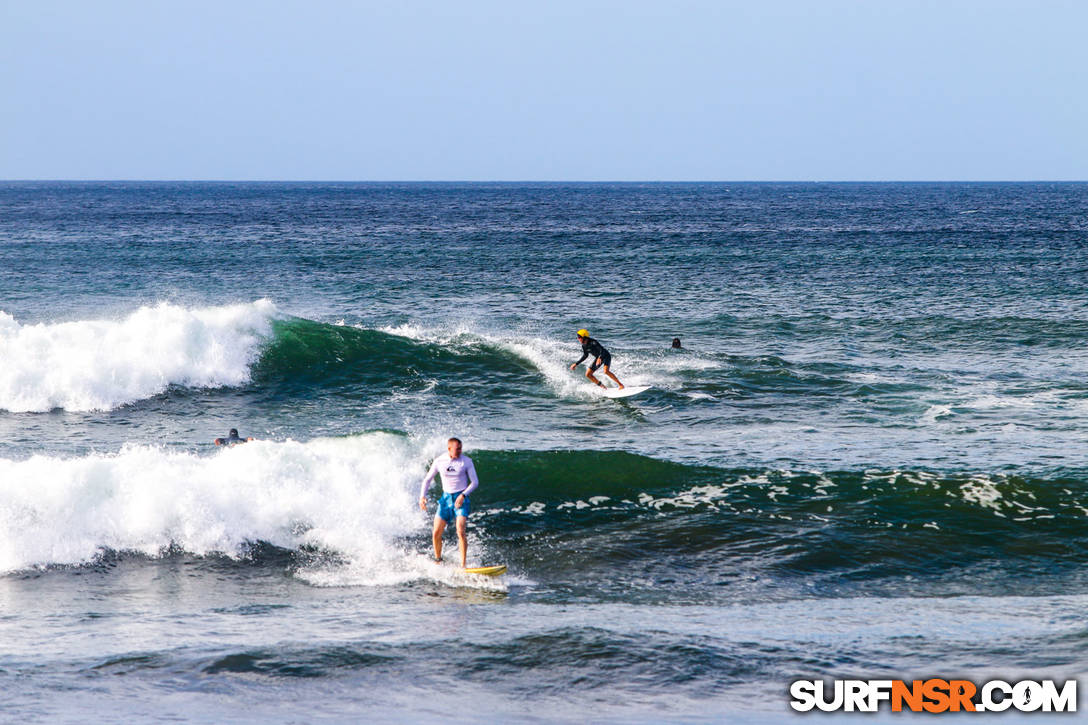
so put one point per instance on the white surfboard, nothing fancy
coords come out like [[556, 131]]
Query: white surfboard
[[625, 392]]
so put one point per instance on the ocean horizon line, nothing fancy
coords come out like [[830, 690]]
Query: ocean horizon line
[[533, 181]]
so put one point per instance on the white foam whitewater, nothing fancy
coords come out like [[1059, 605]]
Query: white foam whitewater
[[103, 364], [354, 496]]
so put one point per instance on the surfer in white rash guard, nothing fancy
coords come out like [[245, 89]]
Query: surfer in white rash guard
[[458, 481]]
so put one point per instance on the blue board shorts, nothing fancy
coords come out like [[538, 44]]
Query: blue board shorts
[[446, 509]]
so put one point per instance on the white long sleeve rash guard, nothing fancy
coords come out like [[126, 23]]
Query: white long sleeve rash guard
[[458, 475]]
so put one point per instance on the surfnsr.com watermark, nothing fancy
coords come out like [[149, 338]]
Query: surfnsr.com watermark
[[934, 695]]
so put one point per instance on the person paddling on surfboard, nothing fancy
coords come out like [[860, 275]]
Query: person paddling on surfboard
[[458, 480], [601, 358], [232, 439]]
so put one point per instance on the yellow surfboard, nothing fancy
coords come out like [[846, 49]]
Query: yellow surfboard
[[487, 570]]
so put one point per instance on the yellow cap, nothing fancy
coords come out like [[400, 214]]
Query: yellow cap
[[583, 333]]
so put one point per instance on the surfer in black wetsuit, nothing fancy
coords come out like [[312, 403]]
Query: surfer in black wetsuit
[[232, 439], [601, 358]]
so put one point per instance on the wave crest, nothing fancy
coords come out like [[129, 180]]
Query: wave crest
[[103, 364], [349, 495]]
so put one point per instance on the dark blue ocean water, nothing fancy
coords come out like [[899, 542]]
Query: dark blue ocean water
[[867, 458]]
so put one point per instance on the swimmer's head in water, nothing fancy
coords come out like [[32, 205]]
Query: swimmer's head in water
[[233, 433]]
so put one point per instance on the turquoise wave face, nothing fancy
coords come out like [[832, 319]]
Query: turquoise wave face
[[783, 532], [308, 353]]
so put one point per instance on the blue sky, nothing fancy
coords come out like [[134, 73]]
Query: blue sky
[[676, 90]]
